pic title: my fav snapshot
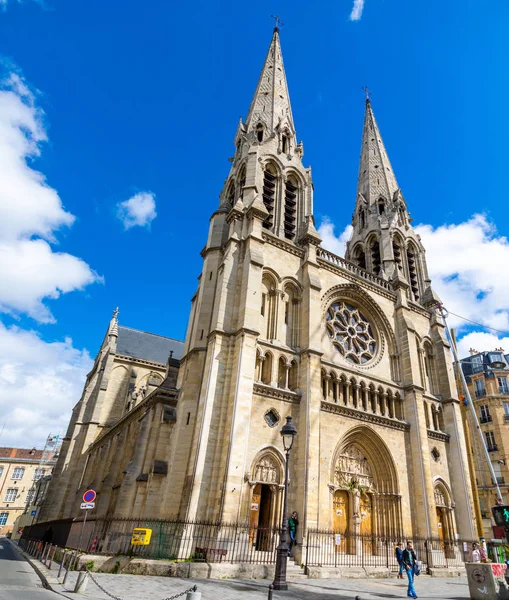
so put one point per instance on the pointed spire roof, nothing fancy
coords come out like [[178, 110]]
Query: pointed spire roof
[[113, 328], [271, 101], [376, 177]]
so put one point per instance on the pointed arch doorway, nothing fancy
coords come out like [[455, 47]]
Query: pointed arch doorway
[[266, 499], [364, 480]]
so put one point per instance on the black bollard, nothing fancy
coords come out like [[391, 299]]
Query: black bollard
[[271, 587]]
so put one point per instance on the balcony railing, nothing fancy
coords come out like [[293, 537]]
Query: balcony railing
[[506, 417], [500, 480], [480, 393], [486, 419], [493, 448]]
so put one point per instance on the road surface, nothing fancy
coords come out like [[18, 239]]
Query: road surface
[[18, 581]]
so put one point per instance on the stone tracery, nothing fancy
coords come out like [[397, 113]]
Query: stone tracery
[[351, 332]]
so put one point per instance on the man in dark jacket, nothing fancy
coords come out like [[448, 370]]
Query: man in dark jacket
[[409, 559], [293, 522], [398, 553]]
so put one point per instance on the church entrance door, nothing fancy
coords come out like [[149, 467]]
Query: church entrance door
[[366, 529], [260, 516], [340, 517], [440, 525]]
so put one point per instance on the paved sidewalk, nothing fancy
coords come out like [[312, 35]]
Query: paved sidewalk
[[127, 587]]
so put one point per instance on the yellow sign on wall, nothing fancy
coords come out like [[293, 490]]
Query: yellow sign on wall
[[141, 536]]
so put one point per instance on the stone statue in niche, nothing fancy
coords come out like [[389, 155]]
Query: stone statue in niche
[[266, 470], [352, 469]]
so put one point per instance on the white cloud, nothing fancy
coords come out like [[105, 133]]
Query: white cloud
[[336, 244], [31, 212], [39, 381], [39, 384], [467, 264], [138, 210], [357, 8]]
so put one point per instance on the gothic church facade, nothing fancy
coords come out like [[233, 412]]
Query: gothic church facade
[[350, 348]]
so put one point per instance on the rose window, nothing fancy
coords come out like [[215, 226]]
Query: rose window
[[351, 332]]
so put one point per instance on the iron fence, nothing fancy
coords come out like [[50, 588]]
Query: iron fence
[[328, 548], [196, 541]]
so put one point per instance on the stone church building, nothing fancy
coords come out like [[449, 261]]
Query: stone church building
[[350, 348]]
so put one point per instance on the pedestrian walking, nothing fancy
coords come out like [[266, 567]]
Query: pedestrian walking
[[476, 554], [293, 523], [398, 553], [409, 559]]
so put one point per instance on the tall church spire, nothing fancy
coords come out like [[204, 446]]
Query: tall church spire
[[376, 177], [270, 106], [267, 177], [383, 240]]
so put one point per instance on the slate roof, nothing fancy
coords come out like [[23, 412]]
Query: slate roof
[[148, 346]]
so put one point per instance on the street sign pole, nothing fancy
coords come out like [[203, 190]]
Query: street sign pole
[[82, 530], [88, 503]]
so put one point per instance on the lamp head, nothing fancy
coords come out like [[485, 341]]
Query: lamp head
[[288, 432]]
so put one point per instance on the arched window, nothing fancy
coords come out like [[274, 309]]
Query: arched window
[[429, 369], [293, 382], [269, 194], [285, 144], [281, 374], [290, 216], [291, 319], [230, 194], [413, 271], [375, 257], [259, 132], [242, 183], [396, 250], [268, 308], [258, 366], [359, 257], [267, 369], [381, 206], [362, 218]]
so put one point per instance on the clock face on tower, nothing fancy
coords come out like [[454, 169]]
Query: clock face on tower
[[351, 332]]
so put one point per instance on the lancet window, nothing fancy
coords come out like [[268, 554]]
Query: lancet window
[[290, 215], [269, 194]]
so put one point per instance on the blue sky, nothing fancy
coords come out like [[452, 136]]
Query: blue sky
[[138, 98]]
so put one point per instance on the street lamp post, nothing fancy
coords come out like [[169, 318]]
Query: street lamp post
[[288, 432]]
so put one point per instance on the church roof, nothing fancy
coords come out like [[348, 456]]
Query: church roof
[[148, 346]]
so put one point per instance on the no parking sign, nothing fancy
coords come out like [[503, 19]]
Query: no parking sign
[[89, 496]]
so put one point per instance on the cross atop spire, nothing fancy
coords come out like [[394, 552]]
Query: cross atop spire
[[278, 21], [270, 106]]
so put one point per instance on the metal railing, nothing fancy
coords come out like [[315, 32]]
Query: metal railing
[[327, 548], [190, 541]]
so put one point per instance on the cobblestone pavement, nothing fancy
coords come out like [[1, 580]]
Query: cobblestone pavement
[[158, 588]]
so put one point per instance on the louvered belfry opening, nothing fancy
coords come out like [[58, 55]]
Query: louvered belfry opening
[[375, 257], [396, 249], [269, 197], [412, 272], [290, 209]]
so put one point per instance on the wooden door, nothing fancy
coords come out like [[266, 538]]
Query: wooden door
[[440, 525], [340, 518], [366, 510], [264, 534], [254, 513]]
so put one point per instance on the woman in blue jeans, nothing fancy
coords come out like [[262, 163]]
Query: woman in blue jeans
[[409, 559]]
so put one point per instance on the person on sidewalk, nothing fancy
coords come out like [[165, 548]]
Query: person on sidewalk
[[409, 560], [398, 553], [293, 523], [476, 554]]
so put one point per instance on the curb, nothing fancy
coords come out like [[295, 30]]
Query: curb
[[48, 581]]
